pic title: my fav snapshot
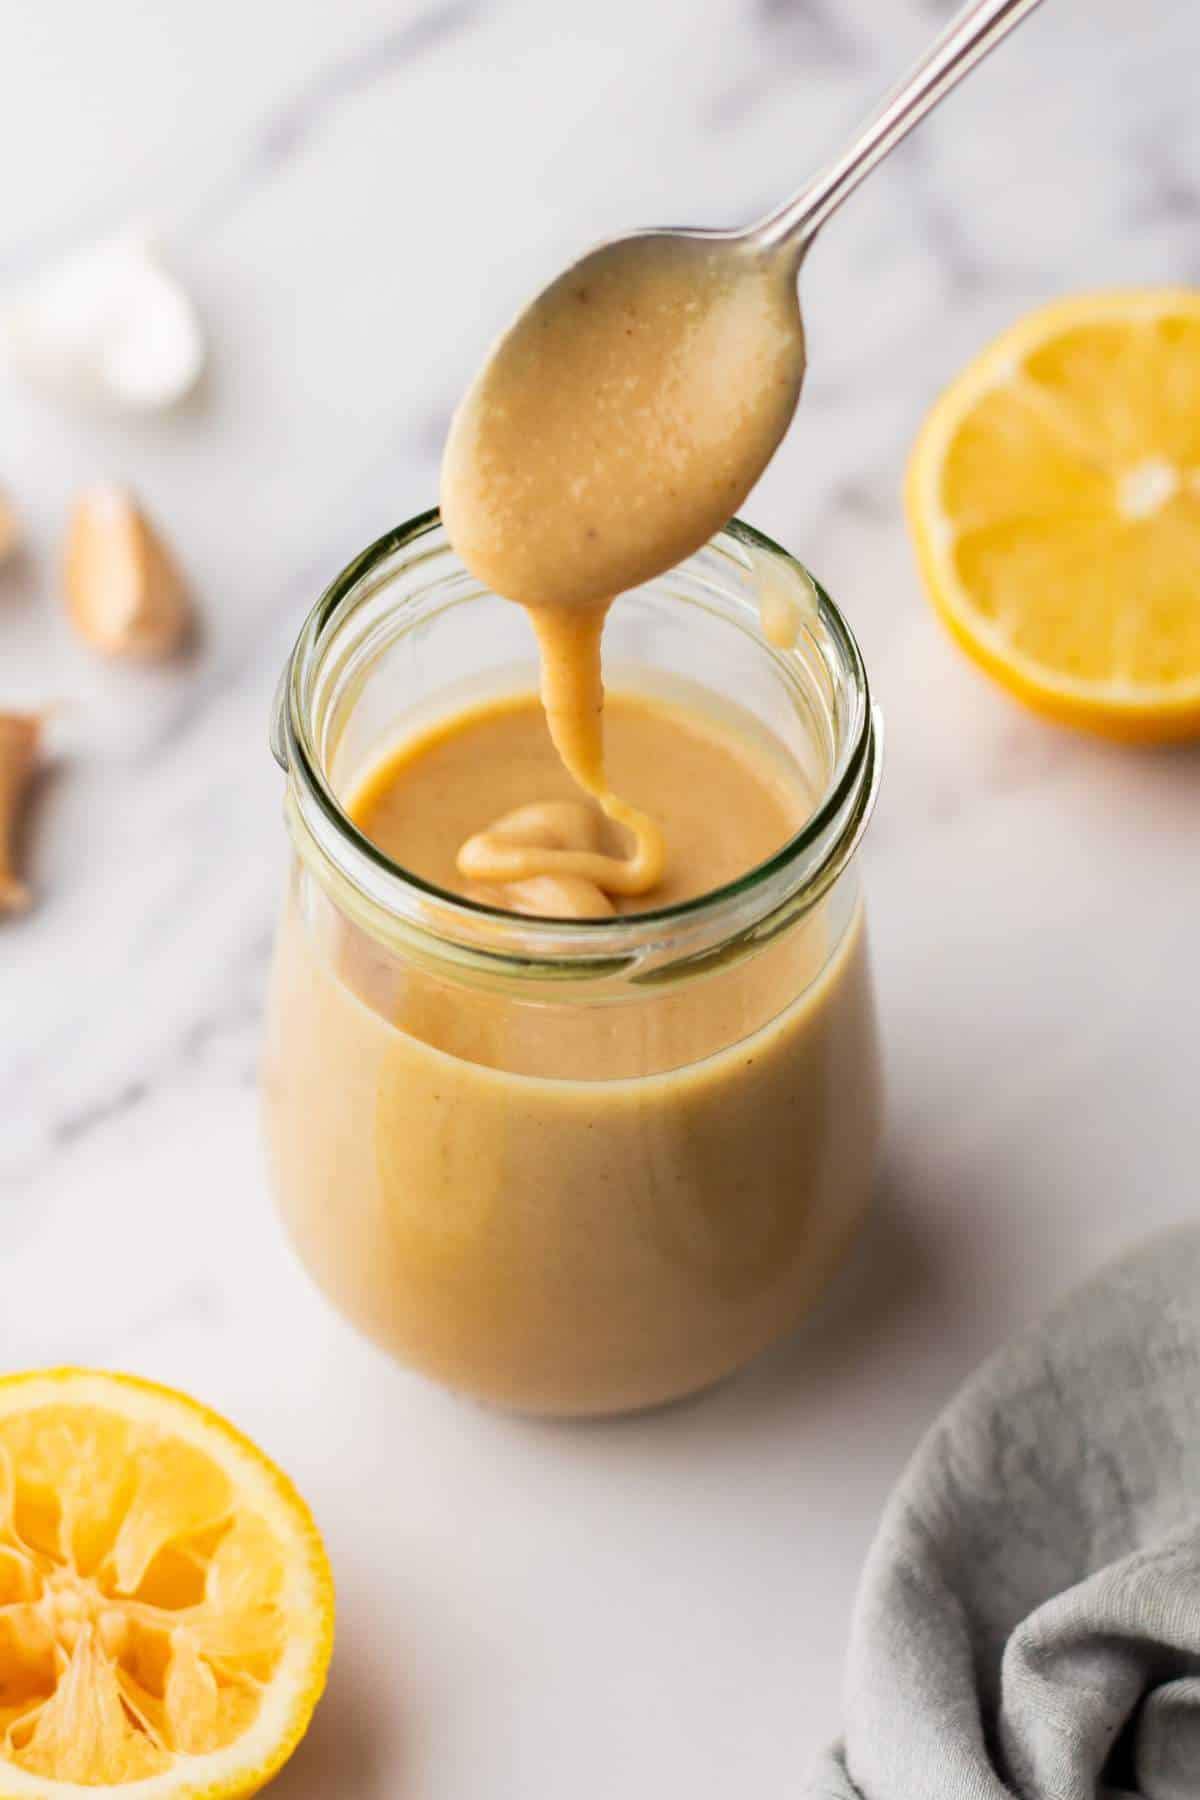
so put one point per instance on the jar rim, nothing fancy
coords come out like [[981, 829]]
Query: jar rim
[[832, 830]]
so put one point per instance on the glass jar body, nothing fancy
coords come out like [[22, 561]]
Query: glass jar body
[[572, 1185]]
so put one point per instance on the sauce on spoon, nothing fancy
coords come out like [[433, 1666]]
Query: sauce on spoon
[[616, 426]]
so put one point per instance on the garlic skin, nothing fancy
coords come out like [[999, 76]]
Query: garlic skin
[[109, 325], [125, 596], [20, 740]]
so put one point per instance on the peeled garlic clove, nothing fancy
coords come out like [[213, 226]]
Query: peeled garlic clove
[[124, 594], [10, 530], [109, 323], [20, 736]]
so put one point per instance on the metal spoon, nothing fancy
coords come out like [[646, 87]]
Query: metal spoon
[[630, 409], [965, 41]]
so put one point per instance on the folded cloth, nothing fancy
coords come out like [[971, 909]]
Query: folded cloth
[[1029, 1617]]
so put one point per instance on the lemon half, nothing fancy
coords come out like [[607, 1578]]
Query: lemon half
[[1054, 499], [166, 1605]]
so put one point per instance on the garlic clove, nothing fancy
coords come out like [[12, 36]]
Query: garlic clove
[[20, 739], [108, 323], [10, 530], [125, 595]]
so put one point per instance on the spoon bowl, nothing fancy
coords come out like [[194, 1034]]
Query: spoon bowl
[[625, 416]]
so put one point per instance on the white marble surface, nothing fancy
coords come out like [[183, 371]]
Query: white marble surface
[[358, 195]]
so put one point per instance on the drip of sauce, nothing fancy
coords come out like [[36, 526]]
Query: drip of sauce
[[730, 796], [513, 853], [614, 429], [787, 601], [553, 842]]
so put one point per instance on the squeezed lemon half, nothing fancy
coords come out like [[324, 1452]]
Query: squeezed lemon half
[[166, 1604], [1054, 499]]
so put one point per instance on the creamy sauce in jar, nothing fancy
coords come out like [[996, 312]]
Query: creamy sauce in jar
[[557, 1195]]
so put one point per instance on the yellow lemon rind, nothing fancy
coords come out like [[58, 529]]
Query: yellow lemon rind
[[254, 1759], [1145, 715]]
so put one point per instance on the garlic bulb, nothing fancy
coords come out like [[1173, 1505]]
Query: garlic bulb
[[109, 324]]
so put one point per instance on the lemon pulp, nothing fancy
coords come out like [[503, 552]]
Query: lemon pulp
[[1054, 497], [165, 1607]]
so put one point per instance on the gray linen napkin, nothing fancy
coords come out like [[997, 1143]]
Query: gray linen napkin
[[1029, 1617]]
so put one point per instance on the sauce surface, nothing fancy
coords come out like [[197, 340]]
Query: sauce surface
[[730, 806]]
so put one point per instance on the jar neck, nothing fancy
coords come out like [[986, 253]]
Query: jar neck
[[401, 585]]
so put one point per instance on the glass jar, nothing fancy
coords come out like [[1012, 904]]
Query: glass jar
[[571, 1166]]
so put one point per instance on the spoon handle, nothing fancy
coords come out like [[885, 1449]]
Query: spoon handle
[[969, 36]]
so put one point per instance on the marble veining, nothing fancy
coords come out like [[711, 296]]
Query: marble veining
[[359, 196], [396, 50]]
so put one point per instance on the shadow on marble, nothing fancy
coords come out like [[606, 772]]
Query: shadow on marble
[[342, 1753], [20, 585], [47, 787], [890, 1275]]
